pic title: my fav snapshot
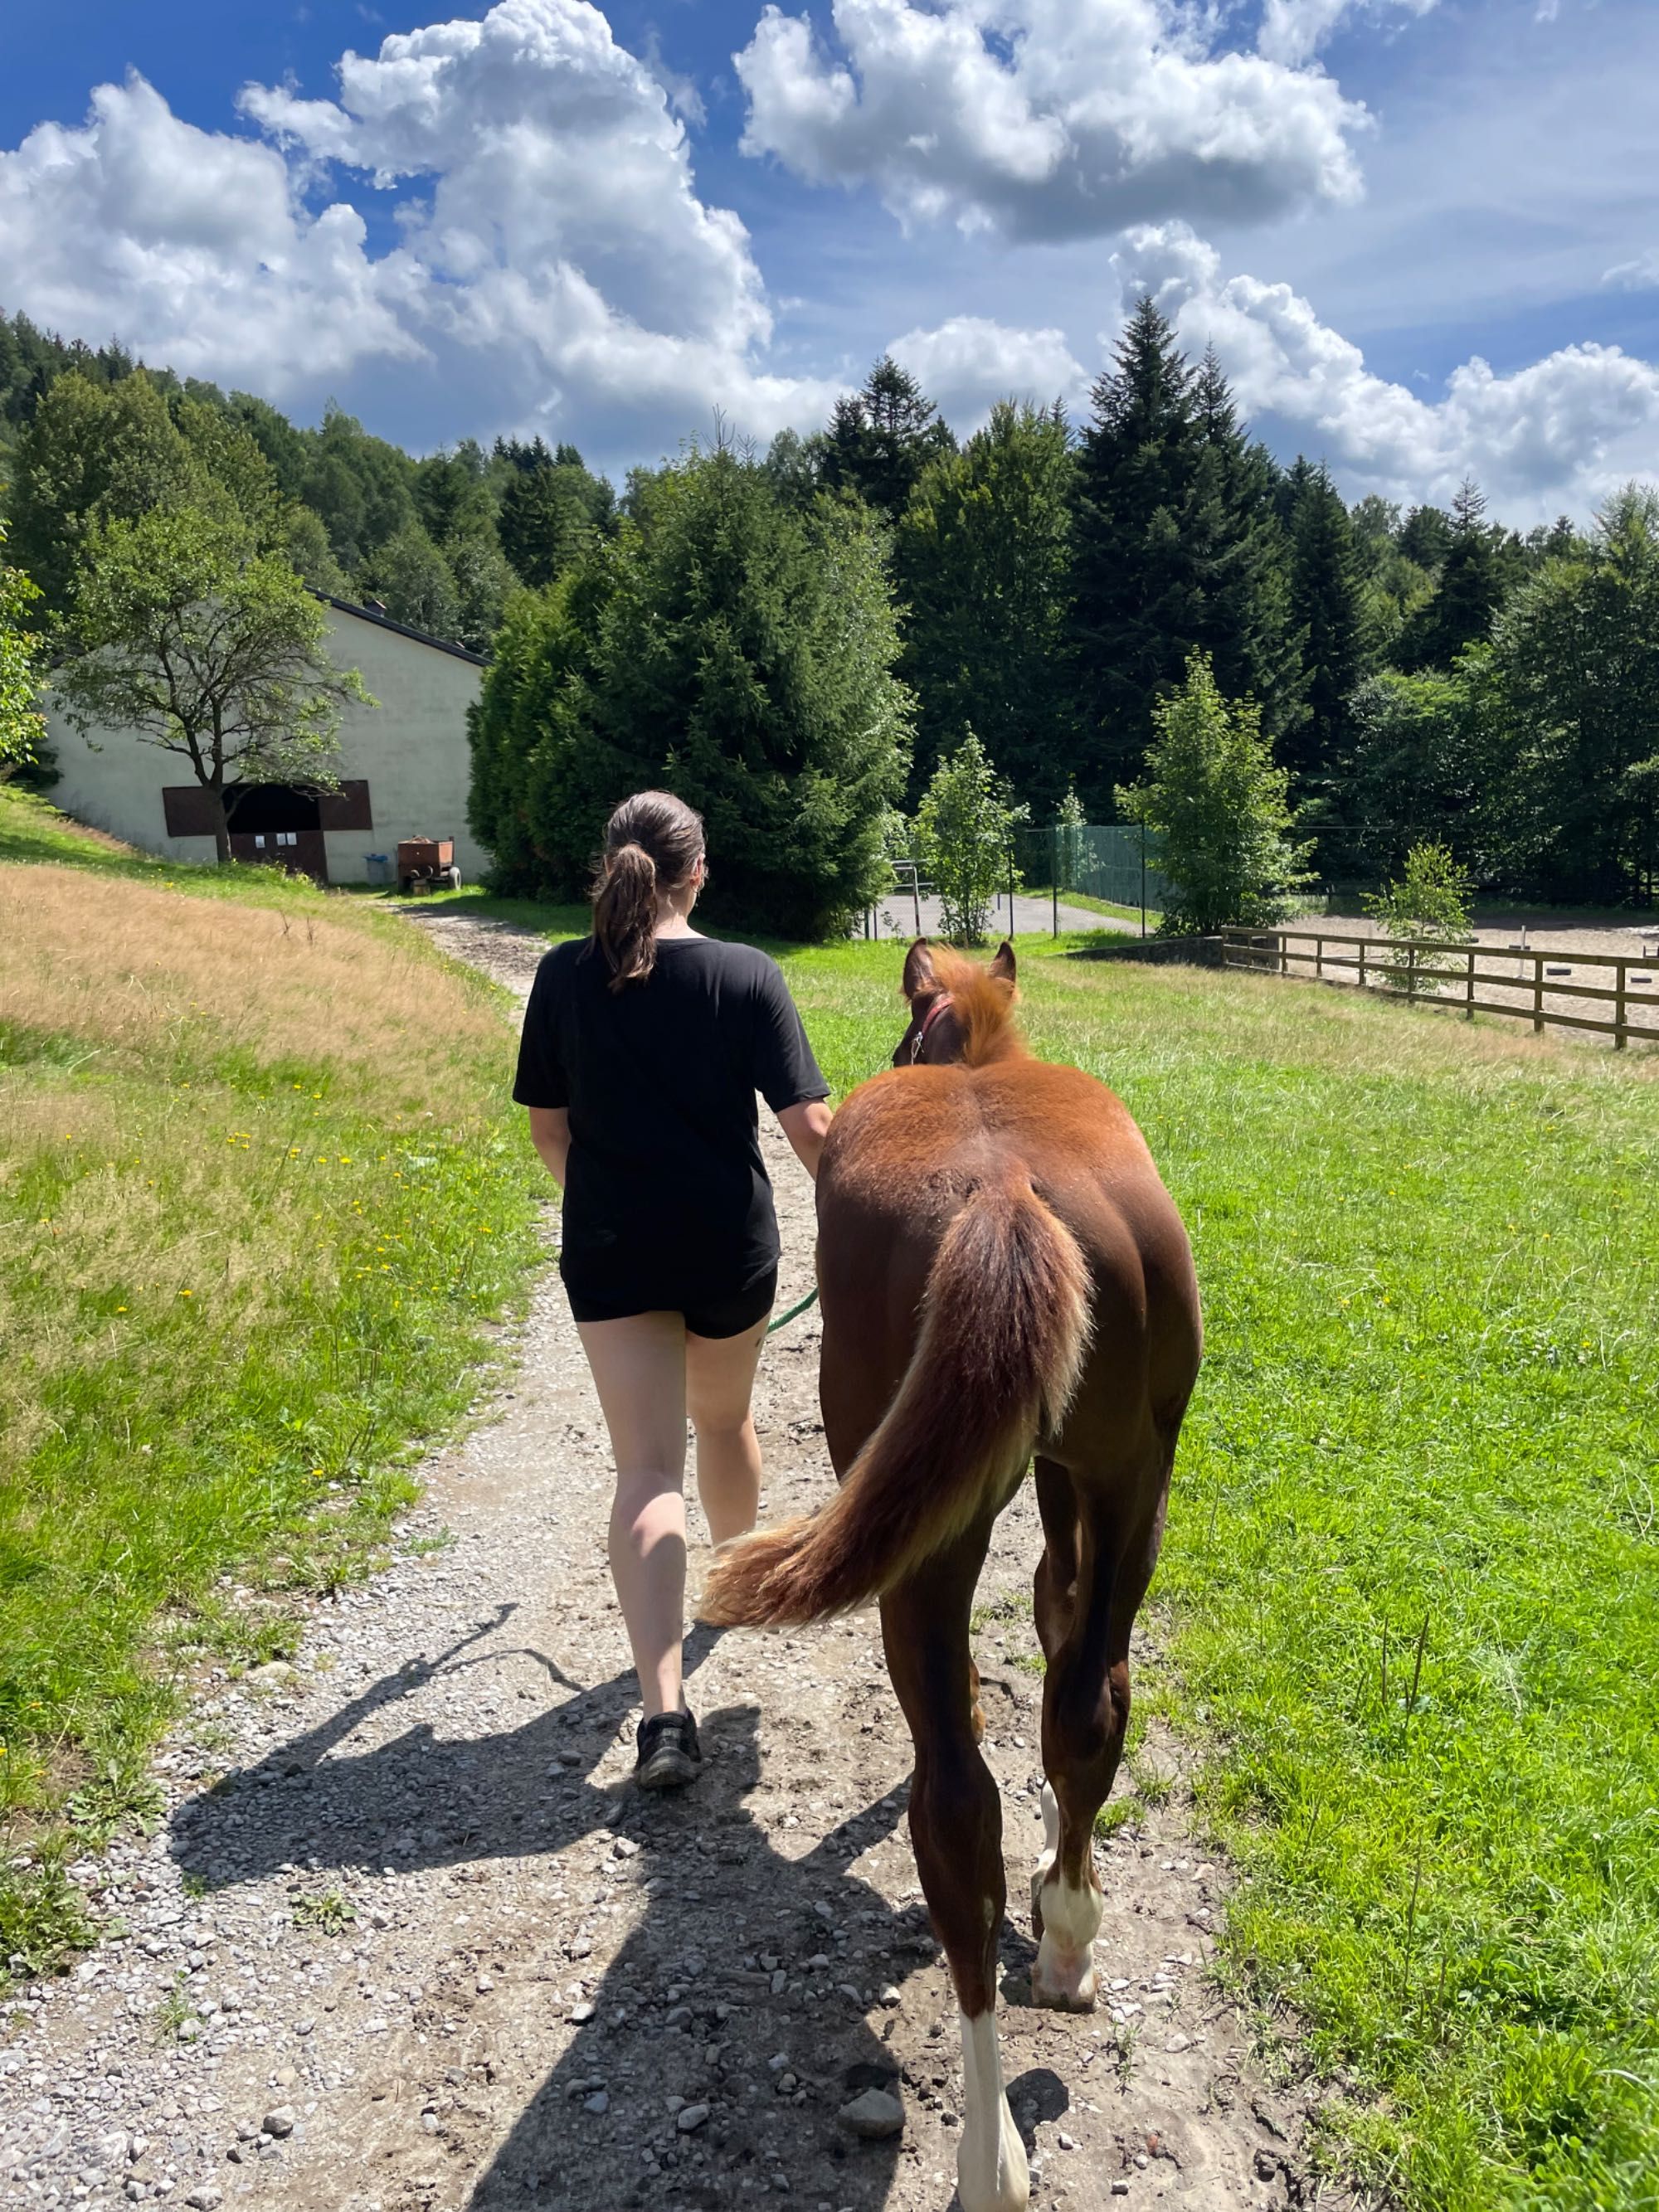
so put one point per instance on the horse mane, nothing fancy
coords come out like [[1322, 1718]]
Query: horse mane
[[984, 1007]]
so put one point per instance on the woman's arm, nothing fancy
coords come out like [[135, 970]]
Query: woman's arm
[[550, 1133], [806, 1126]]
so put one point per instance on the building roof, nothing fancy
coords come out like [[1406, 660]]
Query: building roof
[[382, 621]]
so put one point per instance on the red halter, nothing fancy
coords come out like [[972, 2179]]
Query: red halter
[[927, 1021]]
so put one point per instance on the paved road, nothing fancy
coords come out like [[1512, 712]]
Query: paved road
[[897, 917]]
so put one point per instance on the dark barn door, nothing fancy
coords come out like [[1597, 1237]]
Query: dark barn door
[[272, 823], [301, 852]]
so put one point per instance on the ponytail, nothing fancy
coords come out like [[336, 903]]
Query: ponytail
[[652, 843], [625, 915]]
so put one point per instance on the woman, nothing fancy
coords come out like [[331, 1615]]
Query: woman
[[643, 1048]]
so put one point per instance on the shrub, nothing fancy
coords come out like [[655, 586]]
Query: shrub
[[1430, 898]]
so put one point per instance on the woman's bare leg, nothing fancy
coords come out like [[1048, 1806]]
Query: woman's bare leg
[[719, 1382], [640, 1370]]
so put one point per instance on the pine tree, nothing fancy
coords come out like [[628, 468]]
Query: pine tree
[[1179, 550], [749, 665], [1134, 582], [544, 524], [1242, 561], [1468, 591], [879, 441], [1326, 600], [985, 549]]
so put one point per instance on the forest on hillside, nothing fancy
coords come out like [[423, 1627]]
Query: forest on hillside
[[797, 636]]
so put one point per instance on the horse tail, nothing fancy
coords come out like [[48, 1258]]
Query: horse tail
[[1005, 1324]]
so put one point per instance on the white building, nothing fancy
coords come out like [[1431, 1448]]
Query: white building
[[402, 767]]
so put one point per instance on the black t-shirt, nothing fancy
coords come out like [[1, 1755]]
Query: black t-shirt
[[666, 1200]]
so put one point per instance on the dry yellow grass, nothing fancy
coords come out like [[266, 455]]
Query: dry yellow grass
[[141, 971], [257, 1189]]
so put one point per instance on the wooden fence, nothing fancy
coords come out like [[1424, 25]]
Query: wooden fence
[[1437, 974]]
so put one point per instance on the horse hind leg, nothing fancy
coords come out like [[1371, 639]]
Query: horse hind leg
[[1054, 1600], [1085, 1714], [955, 1827]]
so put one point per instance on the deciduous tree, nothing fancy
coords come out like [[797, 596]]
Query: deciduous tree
[[1220, 809], [413, 579], [963, 838], [21, 725], [1574, 677]]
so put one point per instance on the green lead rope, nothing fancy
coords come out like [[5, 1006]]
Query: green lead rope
[[784, 1320]]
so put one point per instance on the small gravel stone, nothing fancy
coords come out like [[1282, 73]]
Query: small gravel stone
[[279, 2122], [579, 2013], [691, 2118], [598, 2102]]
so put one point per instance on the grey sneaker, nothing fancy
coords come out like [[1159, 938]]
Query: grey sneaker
[[669, 1755]]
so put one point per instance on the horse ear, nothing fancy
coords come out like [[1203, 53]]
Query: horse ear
[[919, 975], [1003, 966]]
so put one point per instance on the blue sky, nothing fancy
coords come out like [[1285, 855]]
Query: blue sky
[[1423, 234]]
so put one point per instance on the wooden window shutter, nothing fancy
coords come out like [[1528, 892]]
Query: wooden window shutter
[[348, 808], [188, 809]]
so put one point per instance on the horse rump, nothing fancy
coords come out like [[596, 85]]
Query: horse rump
[[1005, 1324]]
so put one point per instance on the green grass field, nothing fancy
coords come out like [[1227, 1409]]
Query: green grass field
[[1428, 1420], [259, 1189], [1410, 1574]]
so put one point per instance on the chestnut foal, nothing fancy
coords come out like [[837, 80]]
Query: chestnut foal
[[1001, 1273]]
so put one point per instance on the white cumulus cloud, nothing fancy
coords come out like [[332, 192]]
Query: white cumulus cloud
[[1045, 119], [1558, 435], [192, 245], [554, 261], [966, 364]]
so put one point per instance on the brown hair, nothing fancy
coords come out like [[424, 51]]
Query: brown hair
[[652, 843]]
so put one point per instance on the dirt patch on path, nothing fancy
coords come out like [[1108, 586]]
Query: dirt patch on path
[[424, 1949]]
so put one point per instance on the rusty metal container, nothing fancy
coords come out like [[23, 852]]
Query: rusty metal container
[[424, 862]]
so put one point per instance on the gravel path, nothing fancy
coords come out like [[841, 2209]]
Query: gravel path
[[423, 1947]]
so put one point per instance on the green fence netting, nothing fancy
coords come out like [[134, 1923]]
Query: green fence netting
[[1101, 860]]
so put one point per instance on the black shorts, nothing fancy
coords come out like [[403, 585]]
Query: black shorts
[[714, 1317]]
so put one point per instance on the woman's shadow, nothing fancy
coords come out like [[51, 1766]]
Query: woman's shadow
[[739, 1956]]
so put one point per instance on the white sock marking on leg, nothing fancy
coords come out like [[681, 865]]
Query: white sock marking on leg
[[992, 2175], [1050, 1850], [1065, 1971]]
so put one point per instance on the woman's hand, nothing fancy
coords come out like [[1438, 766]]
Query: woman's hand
[[550, 1133], [806, 1126]]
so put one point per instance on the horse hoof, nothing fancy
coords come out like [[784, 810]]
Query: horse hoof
[[1062, 1981]]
